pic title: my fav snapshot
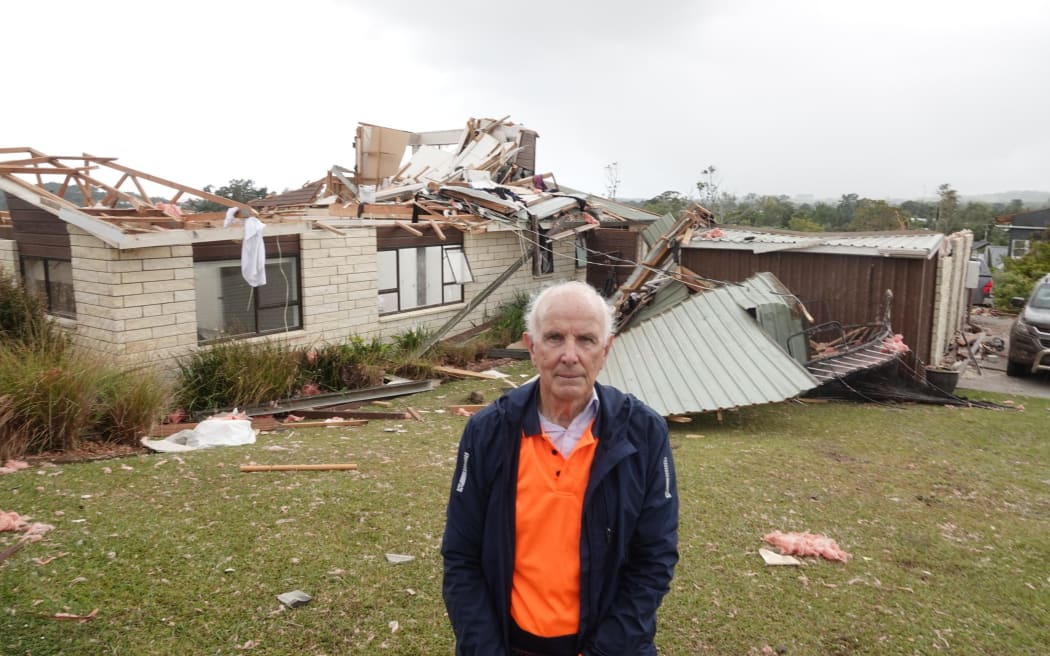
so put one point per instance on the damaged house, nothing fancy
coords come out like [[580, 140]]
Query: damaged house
[[730, 316], [427, 230]]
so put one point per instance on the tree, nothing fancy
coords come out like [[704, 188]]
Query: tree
[[801, 223], [872, 215], [708, 190], [946, 209], [669, 202], [844, 215], [242, 191]]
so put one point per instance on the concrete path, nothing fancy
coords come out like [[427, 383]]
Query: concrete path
[[992, 377]]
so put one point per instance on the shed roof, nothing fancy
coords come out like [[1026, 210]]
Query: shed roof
[[705, 353], [905, 244]]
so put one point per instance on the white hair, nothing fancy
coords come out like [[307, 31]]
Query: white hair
[[538, 304]]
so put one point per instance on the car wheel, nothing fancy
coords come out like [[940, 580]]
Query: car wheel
[[1016, 369]]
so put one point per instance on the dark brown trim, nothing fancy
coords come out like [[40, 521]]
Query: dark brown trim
[[390, 237], [231, 250], [38, 232]]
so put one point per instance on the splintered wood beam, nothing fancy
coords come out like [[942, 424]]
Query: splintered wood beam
[[331, 229], [427, 209], [437, 229], [407, 228]]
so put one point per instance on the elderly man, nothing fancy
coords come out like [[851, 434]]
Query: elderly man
[[562, 527]]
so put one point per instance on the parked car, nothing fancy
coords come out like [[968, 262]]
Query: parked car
[[1030, 333], [982, 293]]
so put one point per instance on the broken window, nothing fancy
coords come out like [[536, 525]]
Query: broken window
[[543, 259], [421, 276], [52, 280], [227, 306]]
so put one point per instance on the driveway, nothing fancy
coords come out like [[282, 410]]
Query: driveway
[[992, 376]]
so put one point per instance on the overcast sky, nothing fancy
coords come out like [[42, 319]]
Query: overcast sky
[[885, 99]]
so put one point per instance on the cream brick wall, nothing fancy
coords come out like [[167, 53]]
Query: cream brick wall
[[135, 305], [140, 306], [9, 258]]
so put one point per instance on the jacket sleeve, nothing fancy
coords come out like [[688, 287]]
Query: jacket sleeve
[[471, 609], [652, 552]]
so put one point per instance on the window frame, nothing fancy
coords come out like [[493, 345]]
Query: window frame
[[48, 291], [227, 255], [448, 281], [1019, 252]]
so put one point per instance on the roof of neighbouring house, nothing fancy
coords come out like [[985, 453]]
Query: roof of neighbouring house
[[906, 244]]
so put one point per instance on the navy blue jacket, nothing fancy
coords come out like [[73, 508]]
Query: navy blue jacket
[[629, 538]]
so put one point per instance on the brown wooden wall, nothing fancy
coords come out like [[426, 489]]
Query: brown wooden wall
[[39, 233], [845, 288], [604, 246]]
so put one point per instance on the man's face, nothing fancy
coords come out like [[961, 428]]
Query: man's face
[[569, 351]]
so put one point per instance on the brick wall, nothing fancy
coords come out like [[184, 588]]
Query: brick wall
[[339, 285], [137, 305]]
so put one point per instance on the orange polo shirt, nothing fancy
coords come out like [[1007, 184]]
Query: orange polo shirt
[[545, 593]]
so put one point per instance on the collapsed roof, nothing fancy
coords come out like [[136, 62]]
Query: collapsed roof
[[480, 177]]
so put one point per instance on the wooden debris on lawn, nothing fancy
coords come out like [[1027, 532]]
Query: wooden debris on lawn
[[466, 373], [269, 468]]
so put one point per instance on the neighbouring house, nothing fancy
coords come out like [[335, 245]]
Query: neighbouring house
[[844, 277], [429, 230], [1022, 228]]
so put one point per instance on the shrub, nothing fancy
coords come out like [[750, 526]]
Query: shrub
[[353, 364], [51, 398], [236, 373], [54, 401], [24, 320], [509, 323], [129, 404], [1019, 276], [412, 340]]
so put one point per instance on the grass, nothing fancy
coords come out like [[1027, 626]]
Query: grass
[[945, 512]]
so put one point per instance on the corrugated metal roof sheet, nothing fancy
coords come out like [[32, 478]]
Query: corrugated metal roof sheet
[[658, 229], [885, 244], [629, 212], [705, 354]]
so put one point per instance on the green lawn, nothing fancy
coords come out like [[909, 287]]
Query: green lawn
[[946, 513]]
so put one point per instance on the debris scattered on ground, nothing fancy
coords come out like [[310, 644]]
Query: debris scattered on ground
[[71, 616], [294, 599], [12, 521], [399, 558], [226, 429], [11, 466], [476, 397], [349, 466], [773, 558], [806, 544]]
